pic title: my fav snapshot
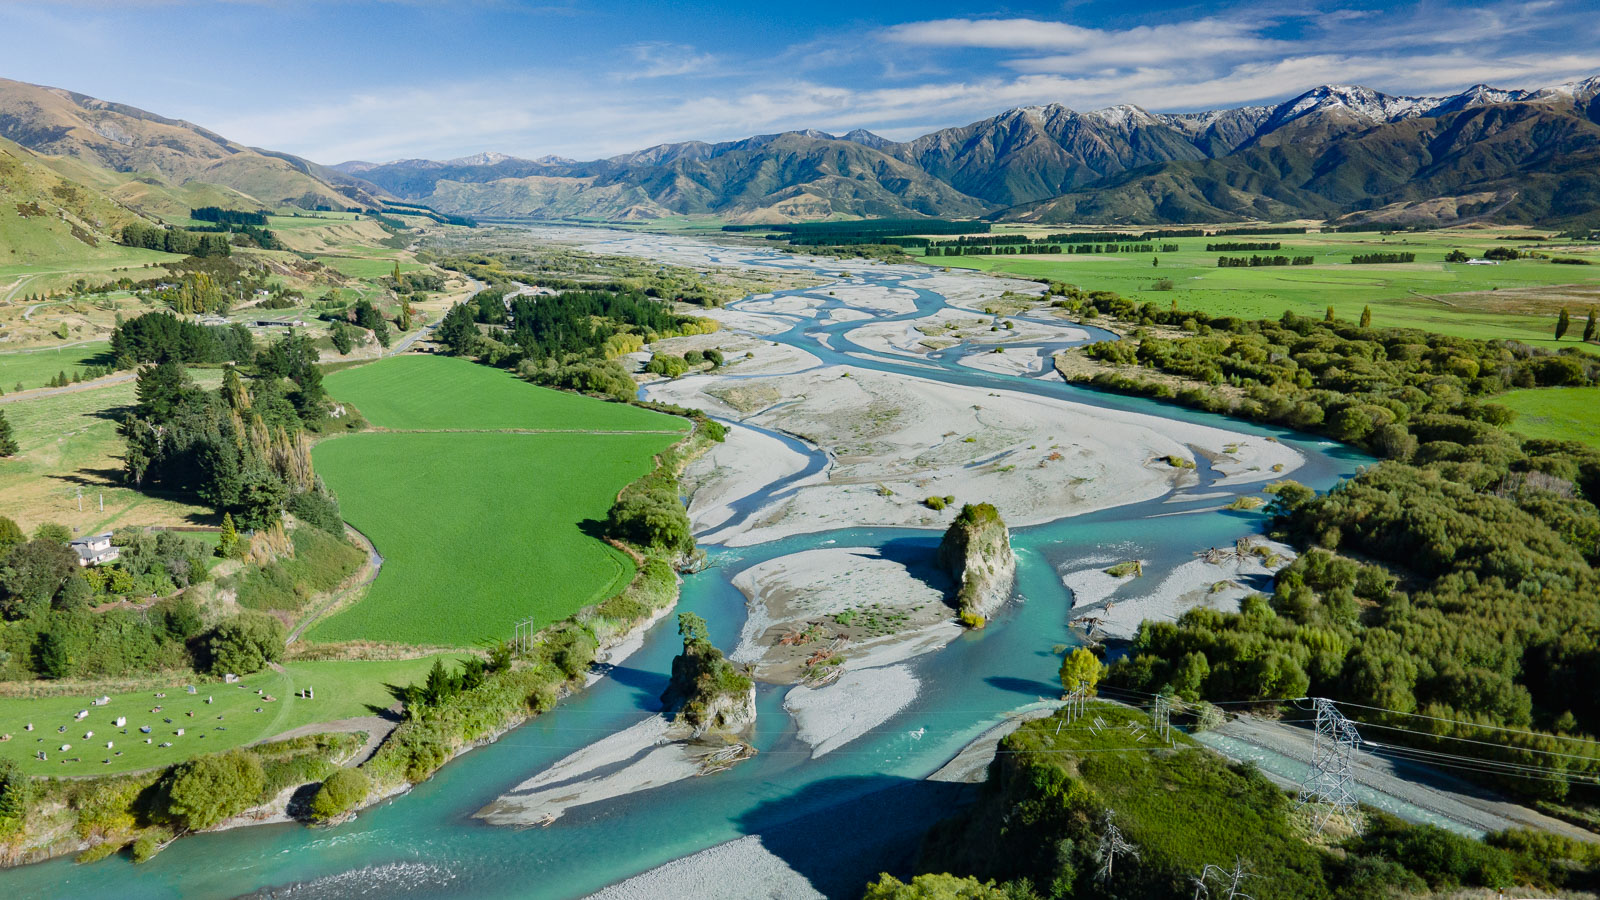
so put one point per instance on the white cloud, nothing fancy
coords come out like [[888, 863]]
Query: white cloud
[[1196, 64]]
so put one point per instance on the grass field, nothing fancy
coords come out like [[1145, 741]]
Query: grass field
[[1565, 414], [437, 392], [344, 689], [70, 442], [1512, 300], [32, 368], [480, 525], [479, 530], [362, 267]]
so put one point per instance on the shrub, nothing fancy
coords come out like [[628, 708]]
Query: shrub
[[209, 789], [149, 844], [245, 644], [934, 503], [341, 792]]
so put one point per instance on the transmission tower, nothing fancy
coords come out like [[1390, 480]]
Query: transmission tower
[[1161, 717], [1333, 761], [1112, 843]]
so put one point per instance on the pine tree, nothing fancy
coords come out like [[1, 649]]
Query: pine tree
[[1366, 317], [228, 544], [8, 444], [1589, 326], [1563, 322], [1328, 316]]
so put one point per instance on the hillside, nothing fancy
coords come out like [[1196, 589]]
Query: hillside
[[164, 164], [44, 217]]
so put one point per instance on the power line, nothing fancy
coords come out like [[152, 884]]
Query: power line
[[1511, 747], [1520, 731]]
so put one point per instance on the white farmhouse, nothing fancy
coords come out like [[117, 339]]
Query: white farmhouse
[[94, 549]]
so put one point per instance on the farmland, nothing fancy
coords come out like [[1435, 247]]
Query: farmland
[[69, 442], [507, 512], [1563, 414], [436, 393], [1517, 299], [33, 368], [343, 689]]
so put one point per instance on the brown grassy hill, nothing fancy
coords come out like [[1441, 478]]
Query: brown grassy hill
[[165, 154]]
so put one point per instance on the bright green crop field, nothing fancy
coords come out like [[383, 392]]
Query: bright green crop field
[[433, 393], [343, 688], [479, 521], [479, 530], [1518, 299], [1563, 414]]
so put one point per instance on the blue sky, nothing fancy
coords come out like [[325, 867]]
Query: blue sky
[[419, 78]]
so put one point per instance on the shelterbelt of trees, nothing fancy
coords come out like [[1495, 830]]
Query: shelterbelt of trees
[[1447, 594]]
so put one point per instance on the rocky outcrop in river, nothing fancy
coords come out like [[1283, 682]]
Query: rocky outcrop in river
[[707, 692], [976, 551]]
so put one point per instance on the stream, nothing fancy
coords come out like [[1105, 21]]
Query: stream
[[810, 812]]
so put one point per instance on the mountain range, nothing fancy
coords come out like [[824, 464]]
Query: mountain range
[[1336, 151]]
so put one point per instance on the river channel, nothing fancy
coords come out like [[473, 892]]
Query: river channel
[[810, 811]]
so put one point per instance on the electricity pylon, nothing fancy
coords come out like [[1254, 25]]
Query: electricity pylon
[[1333, 760]]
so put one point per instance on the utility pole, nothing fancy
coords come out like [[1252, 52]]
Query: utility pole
[[1333, 762], [1077, 700], [1112, 843], [1161, 717]]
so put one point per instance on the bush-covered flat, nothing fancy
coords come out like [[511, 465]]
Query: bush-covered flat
[[1057, 786], [435, 392], [479, 531], [1557, 414], [1506, 301], [343, 689]]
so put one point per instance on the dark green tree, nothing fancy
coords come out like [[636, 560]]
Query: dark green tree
[[8, 443], [1366, 317], [1563, 322], [1590, 325], [208, 789]]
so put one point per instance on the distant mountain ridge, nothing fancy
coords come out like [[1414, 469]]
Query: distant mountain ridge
[[1333, 150], [1530, 156]]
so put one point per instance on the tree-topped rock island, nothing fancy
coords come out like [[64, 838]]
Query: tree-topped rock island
[[976, 551], [707, 693]]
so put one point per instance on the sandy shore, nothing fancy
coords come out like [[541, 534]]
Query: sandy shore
[[1114, 607], [709, 875], [859, 702], [638, 758], [741, 465]]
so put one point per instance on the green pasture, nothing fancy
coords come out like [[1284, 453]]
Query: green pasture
[[480, 530], [1563, 414], [343, 689], [1416, 295], [362, 267], [69, 442], [434, 393], [33, 368], [310, 220], [51, 270]]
